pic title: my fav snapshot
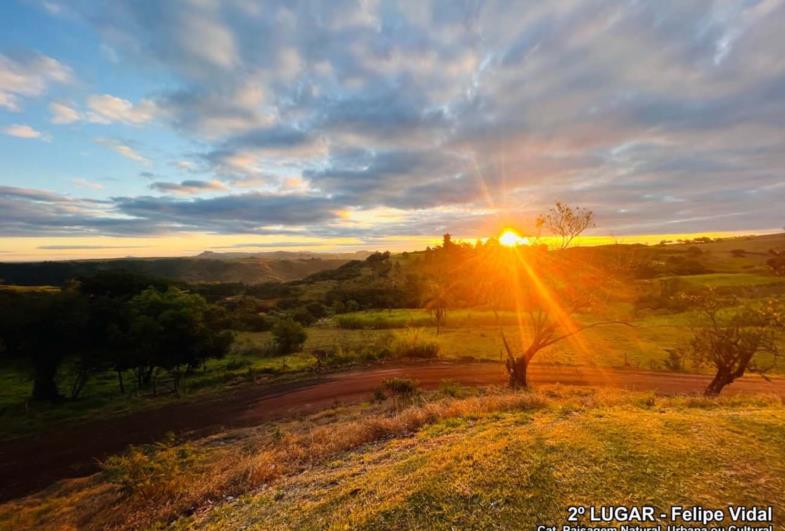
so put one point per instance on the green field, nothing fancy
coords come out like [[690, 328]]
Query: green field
[[458, 458]]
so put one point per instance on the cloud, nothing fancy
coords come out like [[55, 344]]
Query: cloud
[[62, 113], [249, 212], [123, 149], [84, 183], [85, 247], [106, 109], [189, 187], [25, 131], [449, 114], [28, 75]]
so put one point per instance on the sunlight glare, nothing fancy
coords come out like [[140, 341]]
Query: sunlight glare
[[510, 238]]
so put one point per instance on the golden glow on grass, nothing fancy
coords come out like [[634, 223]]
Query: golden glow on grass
[[510, 238]]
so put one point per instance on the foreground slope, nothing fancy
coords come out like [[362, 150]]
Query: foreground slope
[[462, 458]]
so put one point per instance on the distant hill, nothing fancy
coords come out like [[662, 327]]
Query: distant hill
[[205, 268], [285, 255]]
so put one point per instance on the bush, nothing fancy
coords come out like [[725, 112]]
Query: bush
[[303, 316], [675, 360], [289, 336], [234, 365], [151, 469], [413, 343], [339, 355], [400, 386]]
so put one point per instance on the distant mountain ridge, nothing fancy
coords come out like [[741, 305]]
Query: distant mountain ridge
[[285, 255], [208, 267]]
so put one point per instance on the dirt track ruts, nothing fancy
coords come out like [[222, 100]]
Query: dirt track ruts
[[30, 464]]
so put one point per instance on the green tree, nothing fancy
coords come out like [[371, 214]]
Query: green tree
[[171, 330], [732, 340], [43, 329], [289, 336]]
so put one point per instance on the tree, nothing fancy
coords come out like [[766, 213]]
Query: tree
[[170, 330], [289, 336], [43, 329], [732, 340], [545, 290], [437, 301], [566, 222]]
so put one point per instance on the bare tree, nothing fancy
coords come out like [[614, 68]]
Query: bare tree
[[437, 302], [546, 291], [732, 341], [566, 222]]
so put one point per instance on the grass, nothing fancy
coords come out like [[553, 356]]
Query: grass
[[415, 317], [20, 416], [729, 280], [492, 459]]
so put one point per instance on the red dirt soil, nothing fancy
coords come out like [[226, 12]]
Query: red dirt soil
[[30, 464]]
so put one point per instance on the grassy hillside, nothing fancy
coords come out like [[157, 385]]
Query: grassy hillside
[[471, 459]]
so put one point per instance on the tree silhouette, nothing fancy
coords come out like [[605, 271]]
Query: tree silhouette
[[566, 222]]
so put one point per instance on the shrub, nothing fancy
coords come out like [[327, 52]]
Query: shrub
[[339, 355], [303, 316], [413, 343], [234, 365], [675, 360], [151, 469], [451, 389], [776, 262], [289, 336], [400, 386]]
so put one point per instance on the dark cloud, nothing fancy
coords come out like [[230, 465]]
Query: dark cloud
[[232, 213]]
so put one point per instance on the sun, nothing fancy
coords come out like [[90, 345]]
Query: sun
[[510, 238]]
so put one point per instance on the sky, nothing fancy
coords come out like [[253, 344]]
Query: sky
[[145, 128]]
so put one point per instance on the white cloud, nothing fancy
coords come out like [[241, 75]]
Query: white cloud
[[105, 109], [185, 165], [84, 183], [124, 150], [28, 76], [25, 131], [63, 113]]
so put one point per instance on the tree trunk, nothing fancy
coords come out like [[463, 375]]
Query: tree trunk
[[721, 379], [45, 387], [120, 381], [79, 382], [517, 367]]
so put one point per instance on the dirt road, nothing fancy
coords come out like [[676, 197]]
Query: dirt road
[[30, 464]]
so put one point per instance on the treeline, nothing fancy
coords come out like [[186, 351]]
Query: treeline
[[132, 325], [248, 270]]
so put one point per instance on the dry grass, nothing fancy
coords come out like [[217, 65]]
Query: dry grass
[[205, 475]]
